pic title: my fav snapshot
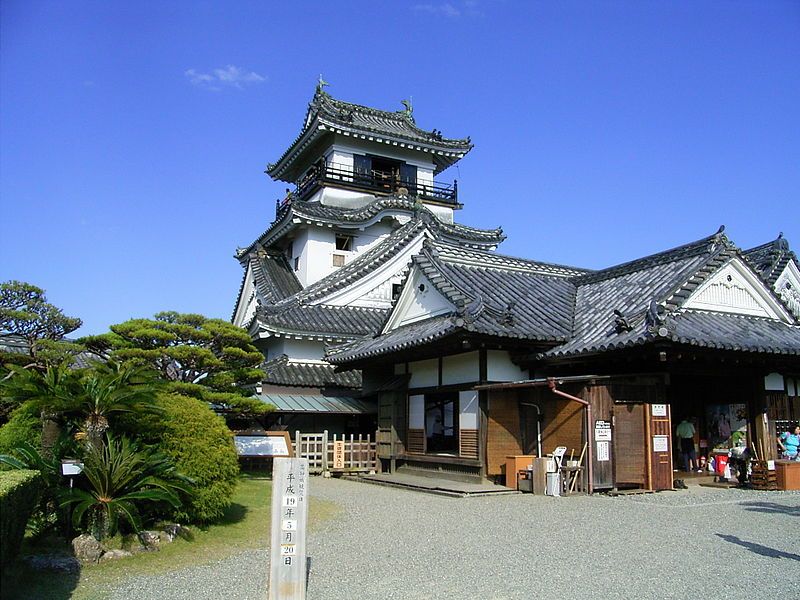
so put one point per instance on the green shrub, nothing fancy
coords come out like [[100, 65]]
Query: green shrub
[[25, 425], [202, 447], [19, 494]]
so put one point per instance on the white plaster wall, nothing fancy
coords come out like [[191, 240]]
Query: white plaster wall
[[424, 373], [364, 240], [303, 349], [317, 245], [460, 368], [500, 368]]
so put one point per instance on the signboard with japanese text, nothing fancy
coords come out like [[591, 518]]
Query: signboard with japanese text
[[287, 570], [273, 443], [658, 410], [602, 431], [660, 443], [338, 454], [603, 451]]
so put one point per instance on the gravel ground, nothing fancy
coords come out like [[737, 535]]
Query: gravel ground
[[389, 543]]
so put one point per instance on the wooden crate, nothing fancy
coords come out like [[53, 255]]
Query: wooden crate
[[762, 478]]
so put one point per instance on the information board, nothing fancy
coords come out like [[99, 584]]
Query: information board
[[660, 443], [602, 431], [602, 451], [658, 410], [287, 569], [272, 443]]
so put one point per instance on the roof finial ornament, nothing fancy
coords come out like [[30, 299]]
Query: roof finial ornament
[[782, 243], [321, 84], [408, 111], [621, 323]]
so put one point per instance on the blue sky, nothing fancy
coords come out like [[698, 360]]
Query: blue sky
[[134, 136]]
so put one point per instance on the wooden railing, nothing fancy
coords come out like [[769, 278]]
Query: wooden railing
[[373, 181], [357, 453]]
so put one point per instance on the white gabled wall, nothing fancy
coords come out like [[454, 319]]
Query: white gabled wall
[[374, 290], [788, 287], [418, 301], [735, 288], [246, 303]]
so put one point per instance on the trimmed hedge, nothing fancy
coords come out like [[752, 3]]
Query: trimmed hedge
[[25, 425], [19, 495], [202, 447]]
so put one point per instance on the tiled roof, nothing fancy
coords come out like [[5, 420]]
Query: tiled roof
[[297, 314], [317, 403], [327, 115], [638, 288], [16, 344], [313, 374], [320, 320], [770, 259], [493, 295], [297, 212], [736, 332], [574, 310], [409, 336]]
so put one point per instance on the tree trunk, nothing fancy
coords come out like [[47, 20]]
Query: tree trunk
[[51, 430]]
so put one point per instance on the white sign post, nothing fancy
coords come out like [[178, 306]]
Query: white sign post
[[287, 569]]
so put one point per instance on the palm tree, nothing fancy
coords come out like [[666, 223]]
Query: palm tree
[[119, 479]]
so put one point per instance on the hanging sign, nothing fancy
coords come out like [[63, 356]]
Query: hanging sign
[[602, 431], [658, 410], [338, 454], [602, 451], [287, 567], [660, 443]]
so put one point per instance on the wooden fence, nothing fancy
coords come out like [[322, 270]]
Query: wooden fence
[[357, 453]]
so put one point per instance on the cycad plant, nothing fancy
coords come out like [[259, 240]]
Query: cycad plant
[[112, 388], [119, 481]]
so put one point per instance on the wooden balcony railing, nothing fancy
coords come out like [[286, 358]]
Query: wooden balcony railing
[[373, 181]]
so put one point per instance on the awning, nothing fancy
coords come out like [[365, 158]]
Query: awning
[[317, 403]]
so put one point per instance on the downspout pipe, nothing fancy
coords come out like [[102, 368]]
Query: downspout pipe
[[553, 385]]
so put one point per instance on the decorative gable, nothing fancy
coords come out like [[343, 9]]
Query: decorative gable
[[735, 288], [788, 287], [418, 301], [246, 304], [375, 289]]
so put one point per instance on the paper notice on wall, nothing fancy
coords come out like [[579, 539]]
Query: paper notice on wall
[[602, 431], [602, 451], [658, 410], [660, 443]]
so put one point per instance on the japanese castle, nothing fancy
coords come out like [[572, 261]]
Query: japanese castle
[[366, 196], [364, 267]]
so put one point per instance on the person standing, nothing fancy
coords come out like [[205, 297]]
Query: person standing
[[685, 432], [789, 441]]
